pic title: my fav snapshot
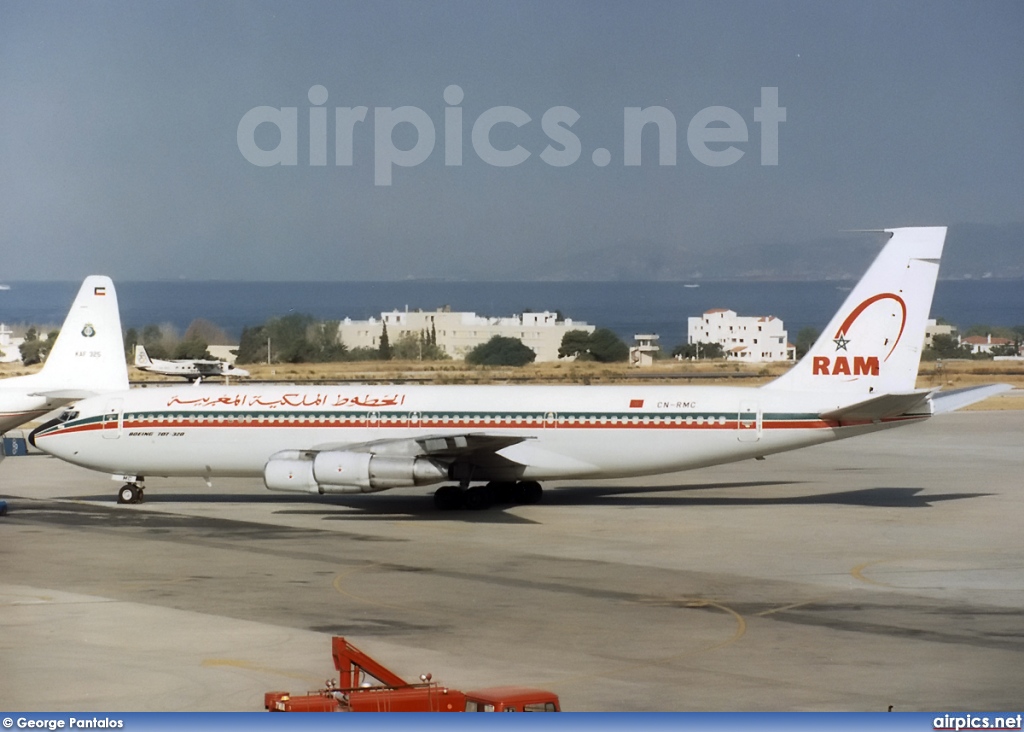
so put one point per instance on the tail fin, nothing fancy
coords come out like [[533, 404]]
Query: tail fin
[[88, 356], [142, 359], [873, 344]]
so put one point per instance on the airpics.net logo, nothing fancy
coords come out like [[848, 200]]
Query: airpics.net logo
[[713, 135]]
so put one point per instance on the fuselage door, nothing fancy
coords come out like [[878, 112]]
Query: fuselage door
[[550, 420], [112, 419], [748, 421]]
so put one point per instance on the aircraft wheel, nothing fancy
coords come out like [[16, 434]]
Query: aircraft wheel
[[503, 491], [449, 498], [129, 493], [529, 491], [480, 497]]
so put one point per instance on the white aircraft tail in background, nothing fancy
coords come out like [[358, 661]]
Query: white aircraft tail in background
[[87, 359], [494, 443], [188, 368]]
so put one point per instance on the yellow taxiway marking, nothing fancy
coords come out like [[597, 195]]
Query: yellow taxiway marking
[[27, 600], [858, 571], [793, 605], [250, 666], [339, 578], [741, 629]]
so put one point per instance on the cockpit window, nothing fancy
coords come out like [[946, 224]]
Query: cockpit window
[[67, 415]]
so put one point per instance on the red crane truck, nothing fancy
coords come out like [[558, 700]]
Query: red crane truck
[[351, 693]]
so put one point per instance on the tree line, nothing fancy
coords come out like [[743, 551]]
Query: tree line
[[300, 338], [950, 346]]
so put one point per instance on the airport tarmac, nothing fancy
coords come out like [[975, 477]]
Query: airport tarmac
[[882, 570]]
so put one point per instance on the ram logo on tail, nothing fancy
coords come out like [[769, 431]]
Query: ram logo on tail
[[847, 365], [840, 366]]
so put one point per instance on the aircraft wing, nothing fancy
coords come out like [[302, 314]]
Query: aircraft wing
[[473, 444], [378, 465], [881, 407], [208, 368]]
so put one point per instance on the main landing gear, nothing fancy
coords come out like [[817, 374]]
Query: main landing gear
[[131, 493], [453, 497]]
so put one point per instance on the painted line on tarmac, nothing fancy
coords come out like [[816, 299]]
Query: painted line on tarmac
[[794, 605], [250, 666], [696, 603], [339, 578]]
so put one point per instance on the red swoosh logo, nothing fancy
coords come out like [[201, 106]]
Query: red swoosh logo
[[845, 327]]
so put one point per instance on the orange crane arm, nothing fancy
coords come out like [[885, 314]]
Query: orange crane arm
[[350, 661]]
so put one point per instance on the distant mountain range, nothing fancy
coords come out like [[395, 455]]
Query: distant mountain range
[[973, 251]]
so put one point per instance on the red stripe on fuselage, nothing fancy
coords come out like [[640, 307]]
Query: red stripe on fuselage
[[256, 423]]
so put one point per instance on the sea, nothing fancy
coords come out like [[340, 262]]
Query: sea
[[627, 308]]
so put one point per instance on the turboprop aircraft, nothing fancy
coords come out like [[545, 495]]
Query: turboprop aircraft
[[494, 443], [86, 359], [189, 368]]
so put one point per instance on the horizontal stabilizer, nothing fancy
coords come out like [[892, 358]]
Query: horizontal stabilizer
[[880, 407], [949, 401], [65, 394]]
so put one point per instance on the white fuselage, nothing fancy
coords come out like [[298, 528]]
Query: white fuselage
[[567, 431]]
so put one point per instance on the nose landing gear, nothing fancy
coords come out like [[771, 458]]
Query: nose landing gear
[[131, 492]]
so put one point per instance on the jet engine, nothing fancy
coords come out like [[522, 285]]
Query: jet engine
[[341, 471]]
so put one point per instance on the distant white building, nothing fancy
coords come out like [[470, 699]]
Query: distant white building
[[10, 347], [752, 339], [934, 328], [643, 353], [460, 332], [227, 354], [985, 343]]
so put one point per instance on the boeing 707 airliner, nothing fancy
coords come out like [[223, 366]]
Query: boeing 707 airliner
[[490, 443]]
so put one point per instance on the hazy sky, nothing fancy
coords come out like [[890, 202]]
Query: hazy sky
[[119, 131]]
